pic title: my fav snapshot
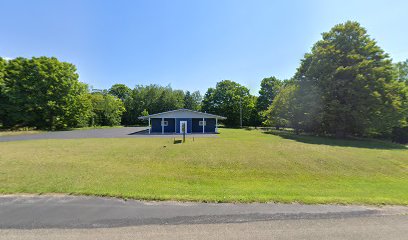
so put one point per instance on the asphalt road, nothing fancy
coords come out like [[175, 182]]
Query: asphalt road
[[372, 228], [69, 217], [123, 132]]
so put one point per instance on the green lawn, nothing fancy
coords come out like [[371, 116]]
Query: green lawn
[[94, 127], [15, 133], [237, 166], [6, 132]]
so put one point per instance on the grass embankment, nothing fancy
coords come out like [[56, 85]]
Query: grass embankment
[[237, 166]]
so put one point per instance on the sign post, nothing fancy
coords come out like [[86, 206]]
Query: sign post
[[183, 128]]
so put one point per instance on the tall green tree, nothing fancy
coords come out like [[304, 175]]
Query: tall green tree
[[83, 102], [192, 100], [124, 93], [400, 133], [402, 71], [2, 96], [107, 109], [171, 99], [269, 89], [42, 92], [347, 86], [281, 113], [120, 91], [197, 100], [226, 99], [153, 99]]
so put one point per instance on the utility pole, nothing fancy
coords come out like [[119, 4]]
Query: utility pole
[[240, 112]]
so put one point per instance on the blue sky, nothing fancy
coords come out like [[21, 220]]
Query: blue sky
[[189, 44]]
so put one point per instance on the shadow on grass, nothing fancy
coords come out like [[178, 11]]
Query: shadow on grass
[[141, 132], [239, 128], [331, 141]]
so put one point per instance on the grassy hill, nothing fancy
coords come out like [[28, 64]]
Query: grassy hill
[[236, 166]]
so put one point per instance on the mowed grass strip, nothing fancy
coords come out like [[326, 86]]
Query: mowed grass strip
[[16, 133], [236, 166]]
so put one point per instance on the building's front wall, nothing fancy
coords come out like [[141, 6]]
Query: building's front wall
[[156, 125], [189, 124], [174, 125], [209, 127], [196, 127], [176, 116]]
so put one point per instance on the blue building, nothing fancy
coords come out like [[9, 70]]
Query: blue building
[[182, 119]]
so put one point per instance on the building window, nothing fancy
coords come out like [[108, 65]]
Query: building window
[[201, 123], [165, 123]]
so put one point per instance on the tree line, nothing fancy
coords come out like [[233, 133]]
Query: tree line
[[345, 86], [45, 93]]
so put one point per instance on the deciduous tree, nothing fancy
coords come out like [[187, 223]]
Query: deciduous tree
[[226, 99], [2, 96], [402, 71], [192, 100], [281, 113], [107, 109], [120, 91], [269, 89], [347, 85], [153, 99], [42, 92]]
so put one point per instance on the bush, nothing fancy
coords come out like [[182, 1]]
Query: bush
[[400, 135]]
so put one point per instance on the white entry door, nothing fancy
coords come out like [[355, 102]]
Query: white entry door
[[183, 123]]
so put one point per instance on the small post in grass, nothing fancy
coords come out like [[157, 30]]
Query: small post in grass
[[183, 128]]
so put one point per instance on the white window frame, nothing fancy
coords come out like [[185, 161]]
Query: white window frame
[[202, 123], [165, 123]]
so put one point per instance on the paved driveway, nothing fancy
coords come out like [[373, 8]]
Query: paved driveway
[[125, 132]]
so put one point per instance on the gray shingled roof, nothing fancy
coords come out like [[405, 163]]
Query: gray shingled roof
[[182, 113]]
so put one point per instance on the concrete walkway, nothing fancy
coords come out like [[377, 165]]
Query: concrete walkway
[[124, 132]]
